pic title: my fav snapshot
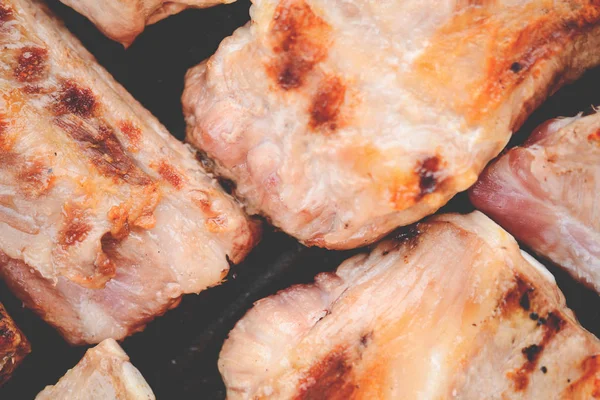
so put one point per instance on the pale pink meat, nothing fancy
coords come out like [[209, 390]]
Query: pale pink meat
[[545, 193], [341, 120], [452, 310], [106, 220]]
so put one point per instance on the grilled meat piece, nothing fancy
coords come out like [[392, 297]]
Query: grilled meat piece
[[449, 309], [124, 20], [545, 193], [104, 373], [105, 219], [13, 346], [340, 120]]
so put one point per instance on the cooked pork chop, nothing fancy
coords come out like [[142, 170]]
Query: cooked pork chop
[[340, 120], [546, 194], [13, 346], [451, 309], [105, 219], [104, 373], [123, 20]]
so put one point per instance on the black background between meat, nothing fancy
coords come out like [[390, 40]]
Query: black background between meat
[[177, 353]]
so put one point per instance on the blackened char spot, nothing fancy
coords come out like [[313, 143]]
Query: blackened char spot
[[208, 164], [524, 302], [365, 339], [31, 64], [103, 149], [516, 67], [325, 108], [427, 171], [407, 234], [75, 99], [330, 378], [518, 296], [533, 352], [300, 41]]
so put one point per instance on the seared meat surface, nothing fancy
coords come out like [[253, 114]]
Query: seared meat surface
[[124, 20], [104, 373], [340, 120], [545, 193], [105, 219], [13, 346], [449, 309]]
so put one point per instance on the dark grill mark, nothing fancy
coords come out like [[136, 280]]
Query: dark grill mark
[[133, 133], [427, 171], [300, 41], [170, 174], [31, 64], [325, 109], [331, 379], [75, 228], [533, 352], [104, 150], [515, 298], [6, 13], [35, 178], [75, 99]]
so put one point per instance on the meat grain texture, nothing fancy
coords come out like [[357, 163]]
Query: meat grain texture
[[13, 346], [449, 309], [545, 193], [340, 120], [104, 373], [124, 20], [105, 219]]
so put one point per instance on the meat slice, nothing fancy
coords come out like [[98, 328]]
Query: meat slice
[[124, 20], [545, 193], [449, 309], [340, 120], [105, 219], [13, 346], [104, 373]]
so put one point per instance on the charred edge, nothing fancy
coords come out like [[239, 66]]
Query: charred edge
[[533, 352], [590, 367], [208, 164], [331, 378], [104, 151], [427, 171], [325, 108], [75, 228], [408, 235], [74, 99], [133, 133], [298, 35], [6, 13], [170, 174], [228, 185], [31, 64]]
